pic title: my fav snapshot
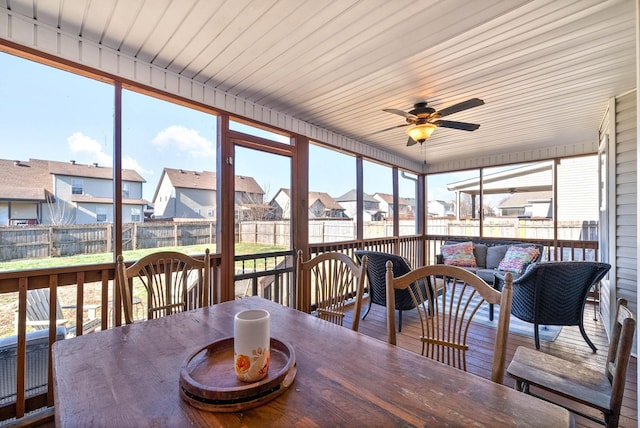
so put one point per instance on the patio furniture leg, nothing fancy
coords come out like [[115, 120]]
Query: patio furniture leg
[[368, 308], [586, 338]]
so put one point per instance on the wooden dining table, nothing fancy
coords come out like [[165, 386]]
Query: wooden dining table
[[129, 377]]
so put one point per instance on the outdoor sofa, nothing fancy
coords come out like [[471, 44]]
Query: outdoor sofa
[[486, 257]]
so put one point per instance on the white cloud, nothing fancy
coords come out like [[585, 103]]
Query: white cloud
[[185, 140], [130, 163], [90, 151]]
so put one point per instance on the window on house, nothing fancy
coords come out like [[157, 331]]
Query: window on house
[[77, 187], [101, 214], [125, 190], [210, 212], [197, 211], [135, 215]]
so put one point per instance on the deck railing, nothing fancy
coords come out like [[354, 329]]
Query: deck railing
[[269, 275]]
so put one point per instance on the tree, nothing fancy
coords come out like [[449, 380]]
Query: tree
[[60, 214]]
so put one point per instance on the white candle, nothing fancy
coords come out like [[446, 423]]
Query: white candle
[[251, 344]]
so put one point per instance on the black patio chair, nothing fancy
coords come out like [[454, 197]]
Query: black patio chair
[[376, 274], [554, 293]]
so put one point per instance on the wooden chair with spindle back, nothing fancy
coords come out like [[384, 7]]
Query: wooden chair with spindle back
[[445, 309], [174, 282], [600, 389], [335, 281]]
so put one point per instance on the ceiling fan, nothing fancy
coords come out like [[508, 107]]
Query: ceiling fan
[[423, 120]]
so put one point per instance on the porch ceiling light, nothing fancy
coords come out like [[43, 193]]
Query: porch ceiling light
[[421, 132]]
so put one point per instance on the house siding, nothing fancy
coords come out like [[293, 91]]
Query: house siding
[[164, 202], [190, 200], [577, 196], [626, 200]]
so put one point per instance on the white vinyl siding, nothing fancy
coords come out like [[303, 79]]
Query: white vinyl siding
[[626, 200]]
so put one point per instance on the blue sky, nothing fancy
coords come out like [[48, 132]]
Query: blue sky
[[46, 113]]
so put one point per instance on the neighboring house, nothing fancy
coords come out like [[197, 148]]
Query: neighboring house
[[321, 205], [529, 204], [438, 208], [371, 209], [385, 200], [192, 194], [51, 192], [148, 209]]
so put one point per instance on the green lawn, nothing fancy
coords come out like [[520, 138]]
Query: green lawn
[[84, 259]]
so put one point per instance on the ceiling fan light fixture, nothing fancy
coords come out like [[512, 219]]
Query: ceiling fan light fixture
[[421, 132]]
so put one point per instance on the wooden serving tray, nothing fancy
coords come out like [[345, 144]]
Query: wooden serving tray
[[208, 380]]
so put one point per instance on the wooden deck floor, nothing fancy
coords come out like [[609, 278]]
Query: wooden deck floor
[[569, 345]]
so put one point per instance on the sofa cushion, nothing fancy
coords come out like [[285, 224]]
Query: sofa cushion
[[480, 253], [486, 275], [495, 254], [517, 258], [459, 255]]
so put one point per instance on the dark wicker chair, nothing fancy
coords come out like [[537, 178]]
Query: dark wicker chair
[[376, 274], [554, 293]]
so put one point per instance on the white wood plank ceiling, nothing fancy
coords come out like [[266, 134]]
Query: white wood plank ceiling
[[546, 69]]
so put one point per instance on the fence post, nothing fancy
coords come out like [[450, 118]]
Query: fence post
[[134, 237], [51, 241], [108, 237]]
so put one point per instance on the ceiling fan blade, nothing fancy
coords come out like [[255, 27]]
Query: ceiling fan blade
[[388, 129], [411, 142], [473, 102], [464, 126], [400, 113]]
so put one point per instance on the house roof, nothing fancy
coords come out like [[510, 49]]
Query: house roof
[[206, 180], [74, 169], [526, 198], [351, 196], [388, 198], [327, 201], [545, 69], [27, 181]]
